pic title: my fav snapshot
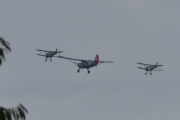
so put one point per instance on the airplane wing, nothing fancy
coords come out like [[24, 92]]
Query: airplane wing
[[141, 68], [56, 56], [45, 55], [84, 60], [49, 51], [148, 64], [72, 58], [142, 63], [43, 50]]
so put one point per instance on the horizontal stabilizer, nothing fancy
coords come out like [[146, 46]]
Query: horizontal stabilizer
[[60, 51], [106, 61], [40, 55], [158, 70]]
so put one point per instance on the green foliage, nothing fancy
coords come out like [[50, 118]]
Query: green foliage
[[17, 113], [4, 46]]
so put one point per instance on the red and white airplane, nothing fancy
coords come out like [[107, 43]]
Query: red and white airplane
[[86, 63], [148, 67], [49, 54]]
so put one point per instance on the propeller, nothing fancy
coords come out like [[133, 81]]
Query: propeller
[[156, 63]]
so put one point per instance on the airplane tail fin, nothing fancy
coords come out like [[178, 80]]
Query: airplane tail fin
[[156, 63], [97, 58], [56, 50]]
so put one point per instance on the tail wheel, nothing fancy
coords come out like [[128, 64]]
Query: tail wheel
[[88, 72], [78, 70]]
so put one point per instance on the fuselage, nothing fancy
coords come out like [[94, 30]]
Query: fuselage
[[150, 67], [51, 54], [87, 64]]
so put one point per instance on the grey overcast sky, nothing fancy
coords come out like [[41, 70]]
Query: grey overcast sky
[[123, 31]]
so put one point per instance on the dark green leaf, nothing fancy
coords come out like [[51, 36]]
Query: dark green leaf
[[5, 48], [22, 115], [2, 115], [23, 108], [17, 115], [2, 53], [0, 61], [4, 43], [13, 112], [8, 113]]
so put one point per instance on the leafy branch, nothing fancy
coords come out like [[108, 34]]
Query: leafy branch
[[4, 46], [17, 113]]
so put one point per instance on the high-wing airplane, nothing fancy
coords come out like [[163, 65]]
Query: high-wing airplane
[[86, 63], [150, 68], [49, 54]]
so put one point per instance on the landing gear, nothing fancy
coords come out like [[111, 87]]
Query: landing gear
[[88, 71], [150, 73], [78, 70], [51, 60], [145, 73]]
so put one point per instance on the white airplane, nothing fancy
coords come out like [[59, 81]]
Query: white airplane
[[86, 64], [148, 67], [49, 54]]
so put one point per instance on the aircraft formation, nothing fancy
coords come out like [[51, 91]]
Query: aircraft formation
[[87, 64]]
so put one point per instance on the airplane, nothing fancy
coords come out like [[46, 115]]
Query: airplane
[[150, 68], [49, 54], [86, 63]]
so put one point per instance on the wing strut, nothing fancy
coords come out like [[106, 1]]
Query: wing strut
[[76, 63]]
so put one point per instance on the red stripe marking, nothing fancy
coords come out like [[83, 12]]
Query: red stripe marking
[[97, 58]]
